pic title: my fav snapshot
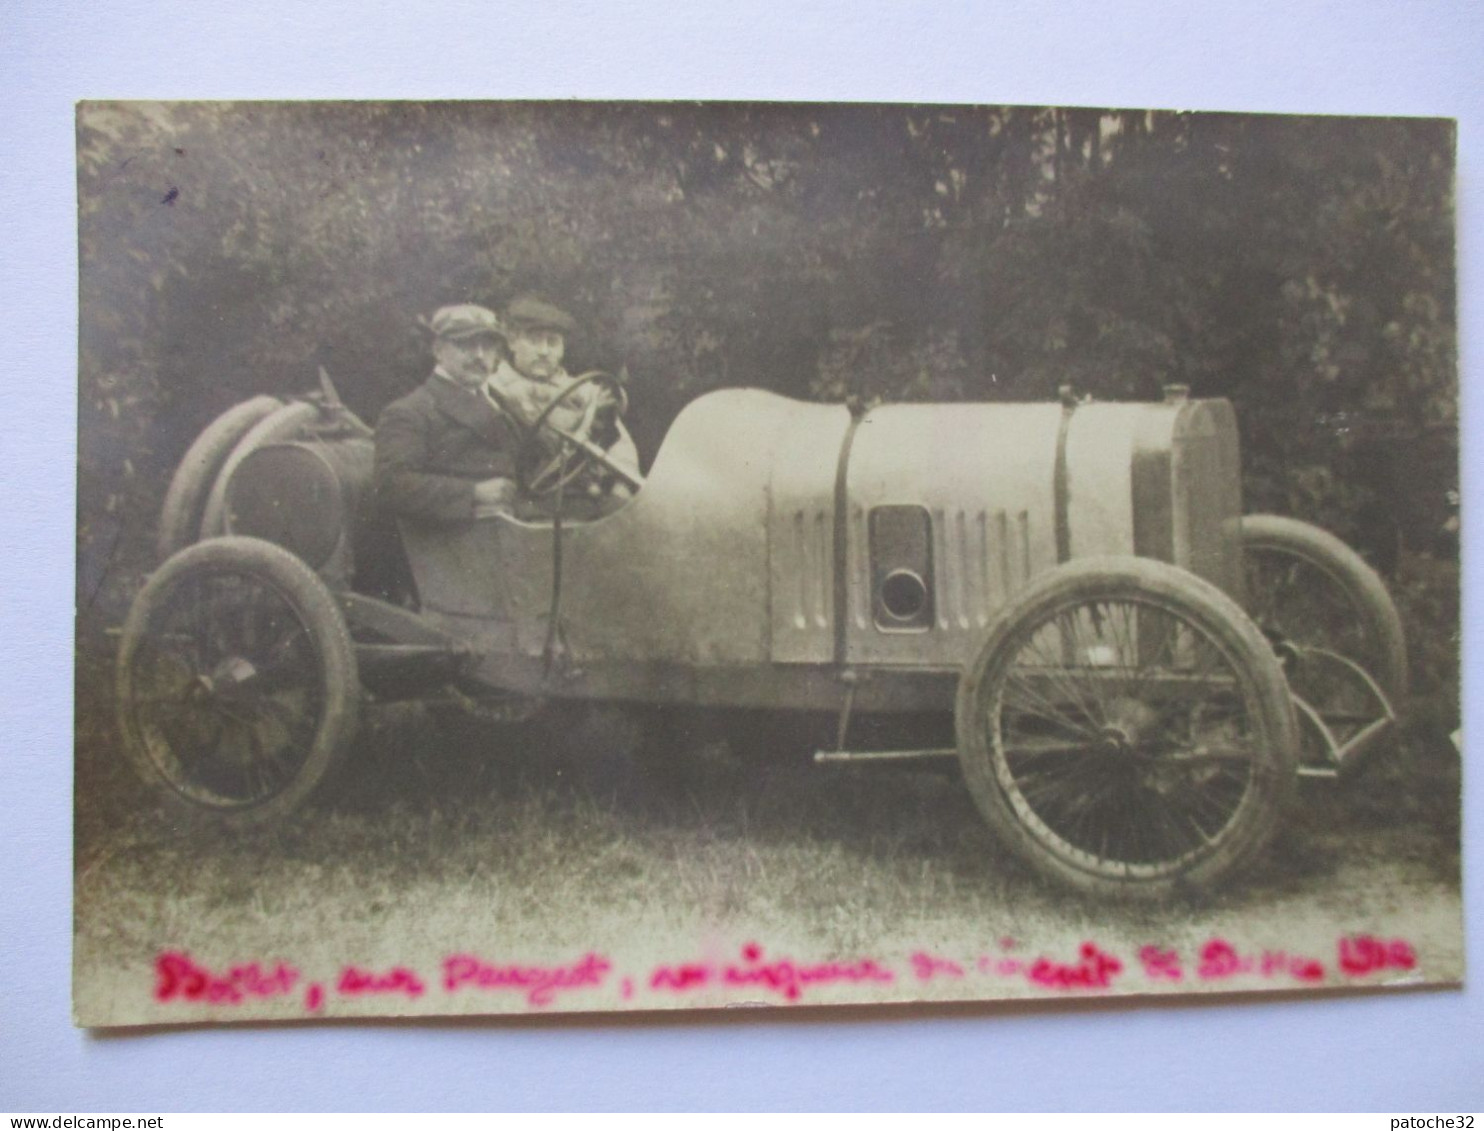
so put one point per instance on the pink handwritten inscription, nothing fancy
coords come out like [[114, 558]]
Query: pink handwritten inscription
[[1161, 965], [540, 983], [1094, 969], [1220, 960], [1366, 954], [355, 982], [784, 977], [178, 976], [929, 966]]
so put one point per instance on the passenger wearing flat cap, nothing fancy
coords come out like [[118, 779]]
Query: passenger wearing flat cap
[[533, 378], [444, 452]]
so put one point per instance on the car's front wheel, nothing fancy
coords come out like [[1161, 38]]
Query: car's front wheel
[[1126, 730], [237, 684]]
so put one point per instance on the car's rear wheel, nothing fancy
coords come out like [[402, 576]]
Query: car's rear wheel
[[1126, 730], [1306, 586], [1334, 626], [237, 684]]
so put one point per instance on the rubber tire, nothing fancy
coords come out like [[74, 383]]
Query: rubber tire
[[326, 626], [1198, 602], [1359, 582], [284, 423], [180, 517]]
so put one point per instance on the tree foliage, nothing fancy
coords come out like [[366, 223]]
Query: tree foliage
[[1302, 267]]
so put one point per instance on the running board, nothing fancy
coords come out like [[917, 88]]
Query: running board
[[843, 757]]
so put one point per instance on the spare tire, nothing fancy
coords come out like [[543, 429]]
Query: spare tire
[[185, 501], [286, 422]]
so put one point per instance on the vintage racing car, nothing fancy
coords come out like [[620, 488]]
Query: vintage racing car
[[1135, 673]]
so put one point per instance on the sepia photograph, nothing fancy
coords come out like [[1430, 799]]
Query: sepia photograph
[[573, 557]]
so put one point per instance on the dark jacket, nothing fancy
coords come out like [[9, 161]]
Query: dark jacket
[[434, 444]]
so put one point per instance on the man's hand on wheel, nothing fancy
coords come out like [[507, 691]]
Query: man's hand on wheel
[[494, 496]]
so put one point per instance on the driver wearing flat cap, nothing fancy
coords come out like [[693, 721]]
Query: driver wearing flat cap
[[532, 380], [444, 452]]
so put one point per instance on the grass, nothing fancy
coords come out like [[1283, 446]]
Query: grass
[[541, 841]]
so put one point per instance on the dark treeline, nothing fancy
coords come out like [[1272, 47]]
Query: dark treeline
[[1303, 267]]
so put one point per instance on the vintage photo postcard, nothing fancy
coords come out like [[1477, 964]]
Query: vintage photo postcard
[[540, 557]]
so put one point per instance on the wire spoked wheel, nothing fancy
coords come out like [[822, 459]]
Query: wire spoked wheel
[[1126, 730], [1333, 625], [237, 681]]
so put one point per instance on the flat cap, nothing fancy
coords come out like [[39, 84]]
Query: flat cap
[[532, 313], [463, 321]]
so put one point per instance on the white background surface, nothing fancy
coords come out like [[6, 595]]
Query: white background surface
[[1420, 1052]]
